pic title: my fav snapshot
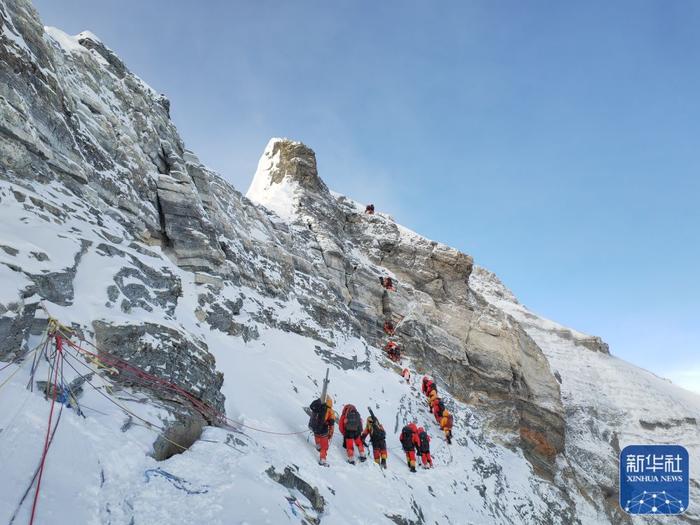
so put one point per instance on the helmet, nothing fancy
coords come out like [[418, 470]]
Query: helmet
[[421, 429]]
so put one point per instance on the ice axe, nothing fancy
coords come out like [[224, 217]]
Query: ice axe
[[324, 390]]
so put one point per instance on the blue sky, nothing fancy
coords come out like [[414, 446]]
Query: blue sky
[[556, 142]]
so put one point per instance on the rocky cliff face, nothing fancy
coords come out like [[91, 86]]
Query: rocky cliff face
[[481, 353], [111, 225]]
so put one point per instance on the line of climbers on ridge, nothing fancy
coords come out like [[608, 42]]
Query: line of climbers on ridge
[[322, 424], [443, 417], [414, 440], [392, 348]]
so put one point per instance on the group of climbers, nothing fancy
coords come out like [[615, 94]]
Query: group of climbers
[[322, 423], [392, 348], [369, 209], [415, 442], [443, 417]]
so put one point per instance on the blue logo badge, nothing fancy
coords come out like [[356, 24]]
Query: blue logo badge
[[654, 479]]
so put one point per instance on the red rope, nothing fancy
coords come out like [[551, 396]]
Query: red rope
[[47, 443], [147, 378]]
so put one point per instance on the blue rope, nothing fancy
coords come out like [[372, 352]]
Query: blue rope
[[178, 483]]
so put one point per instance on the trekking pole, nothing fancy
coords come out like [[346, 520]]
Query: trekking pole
[[325, 386]]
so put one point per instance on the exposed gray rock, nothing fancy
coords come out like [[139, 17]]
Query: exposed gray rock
[[87, 146], [165, 353], [291, 480], [17, 324], [57, 287], [179, 434], [452, 332]]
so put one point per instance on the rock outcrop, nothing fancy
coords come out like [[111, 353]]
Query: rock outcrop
[[113, 226], [478, 352]]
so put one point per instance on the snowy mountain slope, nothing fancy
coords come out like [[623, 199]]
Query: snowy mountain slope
[[119, 232], [609, 403]]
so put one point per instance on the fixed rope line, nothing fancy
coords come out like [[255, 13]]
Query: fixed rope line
[[150, 379], [147, 424], [36, 472], [110, 399], [47, 442]]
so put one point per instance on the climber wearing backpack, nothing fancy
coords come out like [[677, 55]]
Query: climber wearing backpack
[[427, 386], [423, 385], [432, 396], [410, 443], [321, 424], [389, 328], [377, 437], [446, 423], [388, 283], [424, 448], [393, 351], [369, 209], [350, 426], [438, 409]]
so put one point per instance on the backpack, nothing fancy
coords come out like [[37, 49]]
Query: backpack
[[441, 407], [378, 434], [353, 421], [406, 438], [424, 442], [317, 419]]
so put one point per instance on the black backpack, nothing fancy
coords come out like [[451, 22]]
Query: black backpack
[[406, 438], [441, 407], [316, 420], [353, 421], [424, 442], [378, 434]]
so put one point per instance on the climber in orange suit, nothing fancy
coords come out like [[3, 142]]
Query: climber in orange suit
[[446, 424], [410, 443], [321, 423], [350, 425]]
